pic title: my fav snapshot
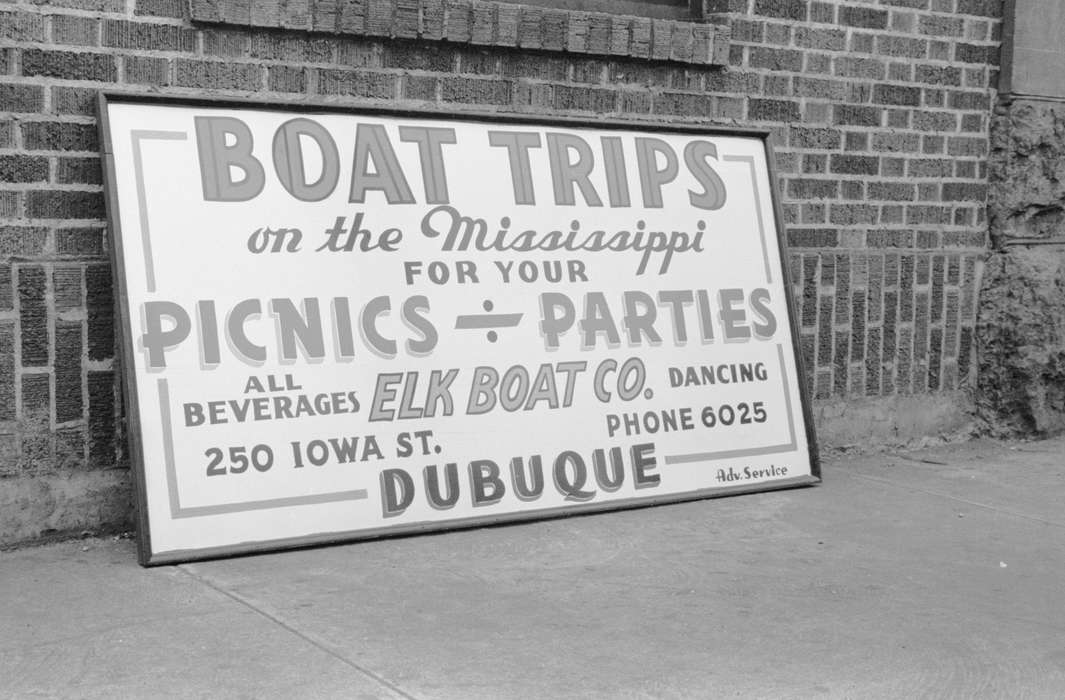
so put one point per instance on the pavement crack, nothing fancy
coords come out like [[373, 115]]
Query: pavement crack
[[949, 497], [292, 630]]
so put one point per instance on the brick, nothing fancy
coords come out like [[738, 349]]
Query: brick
[[852, 189], [748, 31], [854, 165], [857, 116], [59, 136], [812, 238], [74, 30], [862, 42], [865, 17], [217, 74], [683, 41], [807, 137], [973, 101], [940, 25], [7, 372], [100, 306], [74, 100], [964, 192], [143, 70], [36, 402], [972, 122], [773, 110], [7, 293], [21, 168], [22, 241], [886, 94], [418, 58], [851, 214], [78, 171], [64, 204], [927, 214], [523, 65], [351, 17], [226, 44], [405, 22], [935, 121], [21, 26], [507, 20], [889, 238], [18, 97], [357, 83], [936, 168], [932, 145], [854, 67], [599, 28], [9, 204], [66, 287], [981, 8], [813, 189], [419, 87], [33, 315], [937, 75], [661, 39], [358, 54], [70, 449], [101, 424], [478, 62], [971, 53], [912, 4], [856, 141], [69, 65], [782, 9], [286, 79], [585, 99], [176, 9], [476, 91], [967, 146], [68, 352], [641, 40], [896, 142], [821, 38], [80, 241], [295, 49], [900, 46], [296, 14], [891, 191]]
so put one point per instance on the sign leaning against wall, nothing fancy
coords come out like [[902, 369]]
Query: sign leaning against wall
[[340, 324]]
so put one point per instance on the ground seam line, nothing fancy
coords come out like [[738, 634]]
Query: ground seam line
[[284, 625], [959, 500]]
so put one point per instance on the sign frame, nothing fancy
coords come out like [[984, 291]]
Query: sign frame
[[133, 432]]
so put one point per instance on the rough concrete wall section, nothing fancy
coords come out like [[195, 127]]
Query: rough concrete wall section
[[1022, 343], [1021, 328], [1027, 172]]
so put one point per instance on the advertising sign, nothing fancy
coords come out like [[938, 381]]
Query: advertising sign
[[342, 324]]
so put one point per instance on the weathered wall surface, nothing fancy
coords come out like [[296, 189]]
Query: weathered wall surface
[[879, 112], [1021, 327], [1021, 330]]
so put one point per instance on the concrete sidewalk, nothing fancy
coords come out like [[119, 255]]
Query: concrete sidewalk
[[938, 573]]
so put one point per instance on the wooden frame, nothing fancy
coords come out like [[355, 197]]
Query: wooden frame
[[148, 556]]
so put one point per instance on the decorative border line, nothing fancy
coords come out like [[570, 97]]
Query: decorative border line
[[136, 137], [749, 160]]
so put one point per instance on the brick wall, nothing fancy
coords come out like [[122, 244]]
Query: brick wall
[[879, 111]]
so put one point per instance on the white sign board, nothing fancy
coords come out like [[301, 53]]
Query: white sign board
[[340, 324]]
